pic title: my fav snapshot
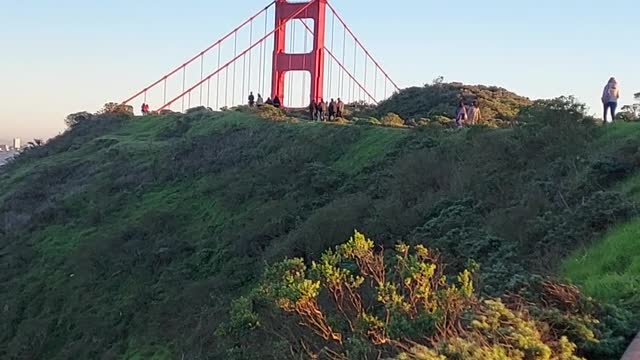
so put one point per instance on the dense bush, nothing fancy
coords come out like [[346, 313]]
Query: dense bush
[[498, 106], [358, 302]]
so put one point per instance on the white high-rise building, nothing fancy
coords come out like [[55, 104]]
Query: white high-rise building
[[17, 143]]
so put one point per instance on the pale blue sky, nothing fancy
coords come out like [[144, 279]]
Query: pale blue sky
[[63, 56]]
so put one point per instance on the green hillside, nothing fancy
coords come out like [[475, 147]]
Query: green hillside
[[128, 238]]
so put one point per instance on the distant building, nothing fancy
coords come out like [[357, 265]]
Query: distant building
[[17, 143], [4, 148]]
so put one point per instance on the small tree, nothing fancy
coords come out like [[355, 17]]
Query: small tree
[[116, 108], [74, 119], [631, 112]]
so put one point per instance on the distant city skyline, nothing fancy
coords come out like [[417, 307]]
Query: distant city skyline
[[540, 49]]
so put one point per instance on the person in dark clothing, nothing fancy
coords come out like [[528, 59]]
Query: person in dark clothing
[[322, 109], [252, 99], [461, 114], [333, 109], [340, 108], [143, 109], [276, 101], [312, 110], [269, 101]]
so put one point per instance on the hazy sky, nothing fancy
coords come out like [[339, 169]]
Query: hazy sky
[[64, 56]]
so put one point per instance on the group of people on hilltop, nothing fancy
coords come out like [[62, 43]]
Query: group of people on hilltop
[[145, 109], [471, 115], [259, 102], [468, 115], [321, 111]]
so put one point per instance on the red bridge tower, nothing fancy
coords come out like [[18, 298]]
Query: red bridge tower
[[313, 62]]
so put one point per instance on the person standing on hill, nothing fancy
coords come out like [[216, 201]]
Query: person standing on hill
[[610, 96], [333, 109], [251, 99], [474, 113], [461, 114], [323, 109], [312, 110], [340, 108]]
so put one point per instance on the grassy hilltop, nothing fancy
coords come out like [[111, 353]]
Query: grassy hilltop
[[130, 237]]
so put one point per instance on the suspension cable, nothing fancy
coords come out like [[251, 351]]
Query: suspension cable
[[227, 64], [263, 10], [361, 45], [351, 76]]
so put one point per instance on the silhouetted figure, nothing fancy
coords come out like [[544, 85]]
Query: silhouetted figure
[[474, 113], [276, 101], [260, 101], [321, 109], [461, 114], [333, 109], [312, 110], [252, 99], [145, 109], [340, 108], [269, 101], [610, 96]]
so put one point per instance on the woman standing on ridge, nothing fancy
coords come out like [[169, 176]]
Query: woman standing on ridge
[[610, 96], [461, 114]]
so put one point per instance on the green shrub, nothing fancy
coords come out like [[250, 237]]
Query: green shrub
[[358, 300]]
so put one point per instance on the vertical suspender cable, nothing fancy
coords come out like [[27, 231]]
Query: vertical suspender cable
[[145, 96], [375, 84], [385, 87], [264, 54], [260, 67], [366, 60], [209, 92], [189, 102], [235, 53], [250, 56], [333, 26], [201, 74], [164, 100], [218, 80], [355, 67], [344, 51], [184, 80]]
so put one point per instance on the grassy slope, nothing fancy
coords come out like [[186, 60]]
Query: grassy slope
[[609, 270], [131, 237]]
